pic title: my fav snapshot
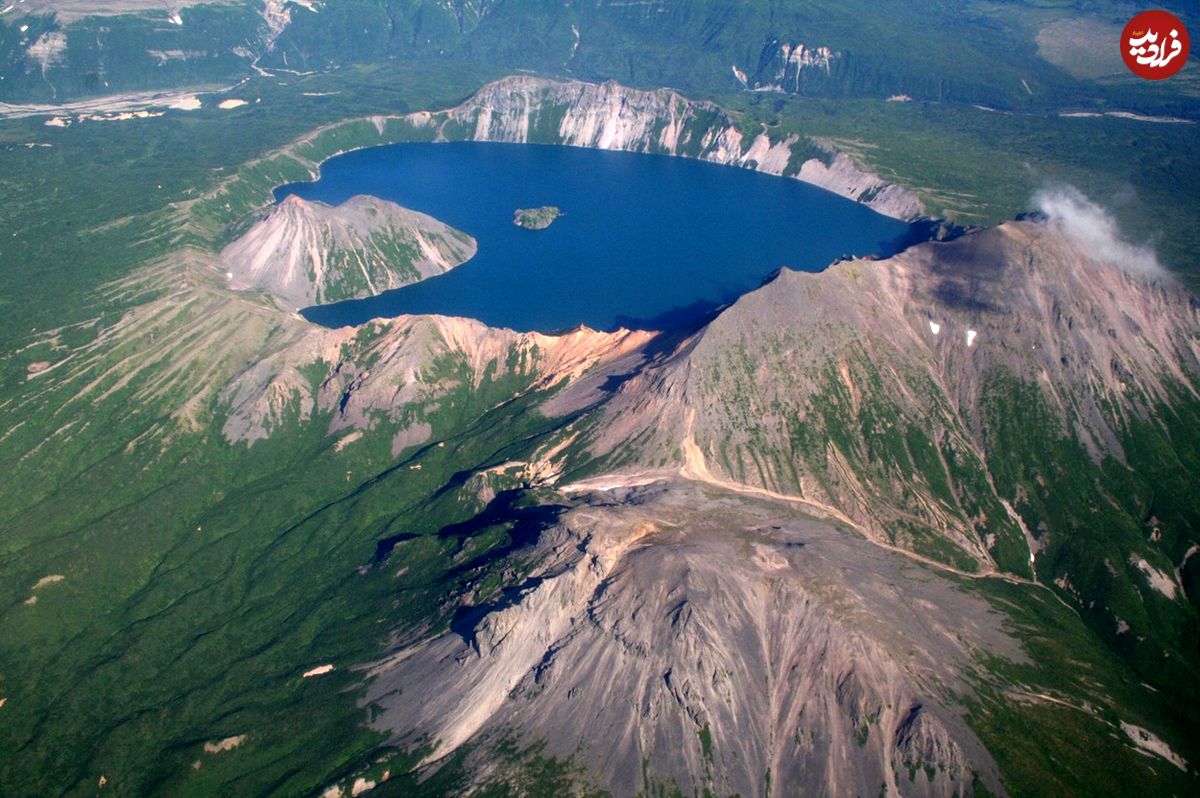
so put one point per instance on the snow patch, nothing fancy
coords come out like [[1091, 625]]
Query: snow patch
[[934, 327]]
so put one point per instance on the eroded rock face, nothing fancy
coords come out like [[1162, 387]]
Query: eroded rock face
[[610, 116], [305, 253], [786, 66], [841, 176], [395, 368], [680, 634]]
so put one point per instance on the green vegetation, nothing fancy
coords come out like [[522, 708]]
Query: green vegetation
[[1078, 748], [964, 51], [536, 218], [1098, 511], [195, 596], [523, 771], [978, 167], [862, 734], [706, 742]]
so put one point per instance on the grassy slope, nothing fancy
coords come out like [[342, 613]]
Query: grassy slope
[[200, 582], [1052, 724]]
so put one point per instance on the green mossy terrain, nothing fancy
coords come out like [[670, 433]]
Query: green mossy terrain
[[536, 218]]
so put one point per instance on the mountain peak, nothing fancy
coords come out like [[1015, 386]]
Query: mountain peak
[[836, 387], [305, 252]]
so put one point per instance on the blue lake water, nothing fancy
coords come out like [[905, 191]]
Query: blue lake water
[[646, 241]]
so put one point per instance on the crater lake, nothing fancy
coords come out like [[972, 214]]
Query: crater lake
[[644, 241]]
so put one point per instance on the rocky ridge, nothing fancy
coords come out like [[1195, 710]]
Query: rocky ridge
[[610, 116], [395, 369]]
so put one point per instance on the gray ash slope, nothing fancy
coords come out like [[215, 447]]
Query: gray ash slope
[[679, 634]]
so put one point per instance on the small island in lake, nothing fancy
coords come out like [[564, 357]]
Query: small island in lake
[[536, 218]]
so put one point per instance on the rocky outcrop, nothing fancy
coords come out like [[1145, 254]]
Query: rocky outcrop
[[786, 66], [614, 117], [712, 642], [305, 253], [396, 369]]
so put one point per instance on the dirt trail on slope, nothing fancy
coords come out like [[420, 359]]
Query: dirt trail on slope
[[695, 469]]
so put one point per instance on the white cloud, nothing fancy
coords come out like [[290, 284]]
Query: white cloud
[[1096, 230]]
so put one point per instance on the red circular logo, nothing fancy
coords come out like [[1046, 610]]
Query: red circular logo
[[1154, 45]]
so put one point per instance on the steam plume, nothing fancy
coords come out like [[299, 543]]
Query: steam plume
[[1094, 228]]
